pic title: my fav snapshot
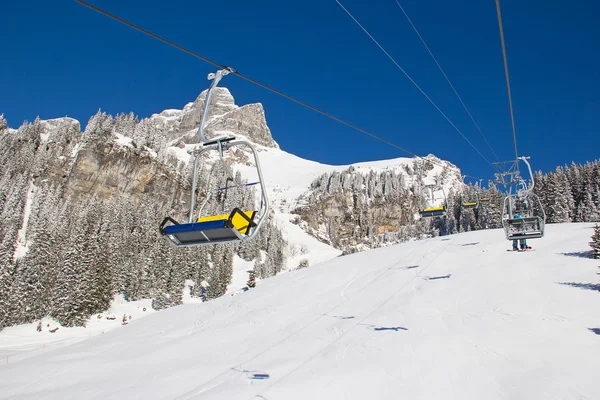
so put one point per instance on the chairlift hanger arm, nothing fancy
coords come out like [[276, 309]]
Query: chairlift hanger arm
[[216, 78], [524, 159]]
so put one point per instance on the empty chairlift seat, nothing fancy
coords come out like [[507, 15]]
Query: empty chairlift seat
[[210, 230], [469, 205], [433, 212]]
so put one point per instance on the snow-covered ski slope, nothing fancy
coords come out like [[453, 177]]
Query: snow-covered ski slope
[[372, 325]]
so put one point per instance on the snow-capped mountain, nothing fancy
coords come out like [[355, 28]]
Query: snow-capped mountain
[[154, 155]]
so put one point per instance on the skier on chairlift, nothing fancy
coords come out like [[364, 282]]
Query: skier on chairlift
[[520, 242]]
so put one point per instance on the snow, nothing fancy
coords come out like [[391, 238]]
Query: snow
[[24, 341], [22, 243], [187, 295], [241, 273], [377, 324], [169, 114], [122, 140], [181, 154], [287, 183]]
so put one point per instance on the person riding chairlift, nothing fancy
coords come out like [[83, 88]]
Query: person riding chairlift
[[520, 242]]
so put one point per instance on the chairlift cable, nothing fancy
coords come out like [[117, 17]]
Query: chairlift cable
[[235, 72], [510, 104], [412, 81], [239, 74], [447, 79]]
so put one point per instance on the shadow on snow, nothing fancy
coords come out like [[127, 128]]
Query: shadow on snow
[[579, 254], [387, 328], [580, 285]]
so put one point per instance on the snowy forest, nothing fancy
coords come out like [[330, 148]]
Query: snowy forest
[[65, 253]]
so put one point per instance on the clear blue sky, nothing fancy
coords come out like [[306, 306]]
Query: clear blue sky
[[64, 59]]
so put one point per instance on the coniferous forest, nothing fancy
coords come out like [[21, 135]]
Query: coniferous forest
[[65, 253]]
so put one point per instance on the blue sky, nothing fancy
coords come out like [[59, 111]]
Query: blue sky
[[64, 59]]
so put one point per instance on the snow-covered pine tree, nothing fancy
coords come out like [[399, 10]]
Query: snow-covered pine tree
[[7, 276], [587, 211], [251, 280], [557, 197], [99, 127], [3, 124], [595, 243], [71, 305], [101, 269]]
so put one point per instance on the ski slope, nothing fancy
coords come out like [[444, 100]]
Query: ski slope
[[455, 317]]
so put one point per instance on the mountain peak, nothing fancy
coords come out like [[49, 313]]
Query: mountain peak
[[224, 117]]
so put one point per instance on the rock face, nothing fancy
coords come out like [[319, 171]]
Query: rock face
[[248, 121], [108, 169], [222, 103], [357, 209], [224, 117], [121, 156]]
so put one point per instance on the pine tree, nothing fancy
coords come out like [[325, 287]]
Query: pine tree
[[3, 123], [7, 277], [251, 280], [70, 297], [595, 243]]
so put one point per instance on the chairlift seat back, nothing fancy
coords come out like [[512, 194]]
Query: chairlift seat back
[[469, 205], [524, 228], [237, 220]]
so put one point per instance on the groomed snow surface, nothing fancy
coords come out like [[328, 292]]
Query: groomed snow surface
[[455, 317]]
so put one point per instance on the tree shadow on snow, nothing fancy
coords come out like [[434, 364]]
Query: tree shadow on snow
[[252, 374], [387, 328], [470, 244], [580, 254], [595, 330], [432, 278], [409, 267], [339, 316], [586, 286]]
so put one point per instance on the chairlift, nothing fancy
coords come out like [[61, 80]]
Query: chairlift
[[523, 215], [235, 226], [471, 204], [438, 211]]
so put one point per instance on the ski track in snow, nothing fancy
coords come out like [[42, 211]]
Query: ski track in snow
[[502, 326]]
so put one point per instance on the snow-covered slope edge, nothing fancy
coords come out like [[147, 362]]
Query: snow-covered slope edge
[[448, 317]]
